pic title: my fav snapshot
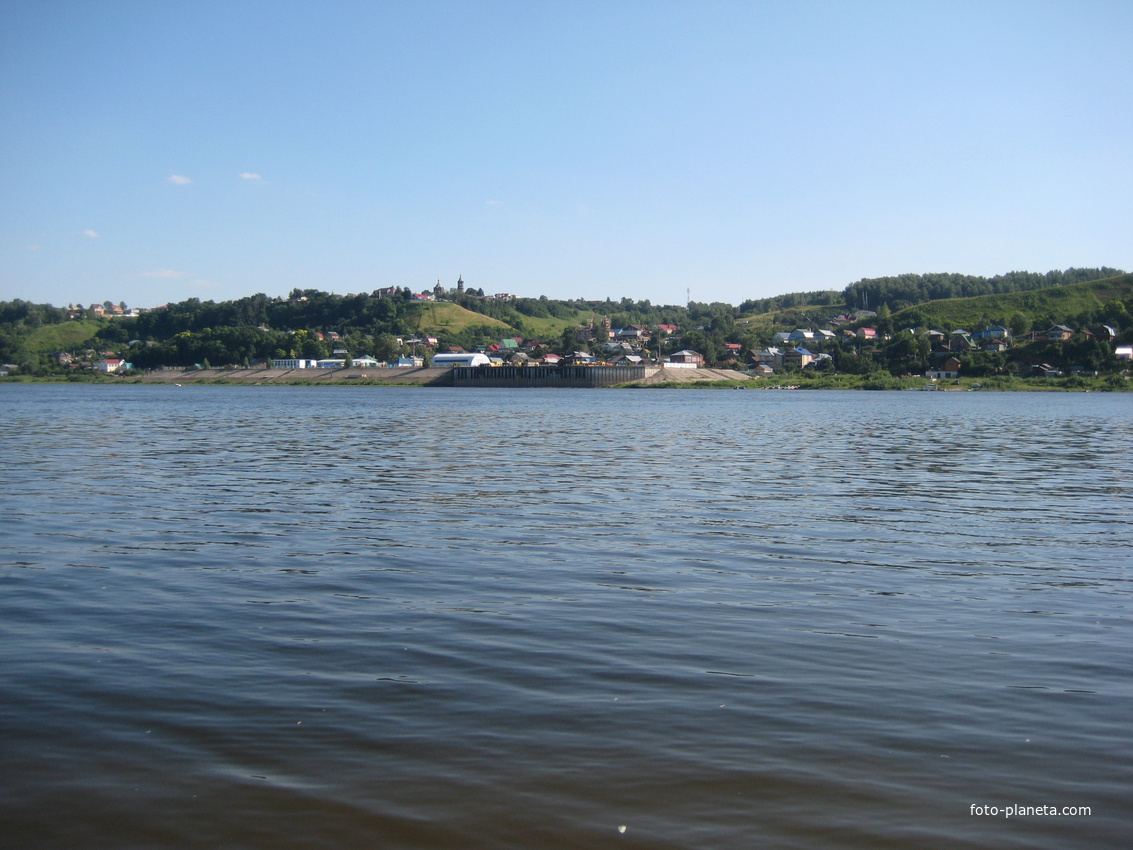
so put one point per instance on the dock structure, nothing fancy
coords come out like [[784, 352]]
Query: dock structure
[[449, 376], [549, 376]]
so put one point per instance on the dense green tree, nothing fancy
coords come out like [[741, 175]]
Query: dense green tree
[[883, 323], [1020, 324], [386, 348], [852, 364], [113, 333], [905, 353]]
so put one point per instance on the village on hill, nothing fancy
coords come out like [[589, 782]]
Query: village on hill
[[462, 327]]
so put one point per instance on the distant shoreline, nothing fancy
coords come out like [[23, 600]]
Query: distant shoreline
[[668, 379]]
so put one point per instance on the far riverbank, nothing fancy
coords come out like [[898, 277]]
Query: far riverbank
[[661, 379]]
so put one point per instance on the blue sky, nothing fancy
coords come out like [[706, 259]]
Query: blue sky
[[157, 151]]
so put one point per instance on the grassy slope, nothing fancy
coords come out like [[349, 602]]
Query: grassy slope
[[552, 328], [63, 337], [1060, 302], [434, 317], [756, 320], [445, 316]]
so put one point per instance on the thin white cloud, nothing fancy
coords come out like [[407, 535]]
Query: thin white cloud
[[495, 203], [250, 175], [179, 179], [164, 273], [32, 247], [90, 233]]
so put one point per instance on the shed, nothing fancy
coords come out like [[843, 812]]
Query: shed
[[687, 356], [474, 358]]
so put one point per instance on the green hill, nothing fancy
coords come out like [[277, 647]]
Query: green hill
[[443, 317], [808, 312], [49, 339], [553, 327], [1038, 307]]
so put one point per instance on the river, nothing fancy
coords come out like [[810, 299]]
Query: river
[[312, 617]]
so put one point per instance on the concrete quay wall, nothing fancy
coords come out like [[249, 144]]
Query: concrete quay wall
[[548, 376]]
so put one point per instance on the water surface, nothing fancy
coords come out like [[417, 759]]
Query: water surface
[[414, 618]]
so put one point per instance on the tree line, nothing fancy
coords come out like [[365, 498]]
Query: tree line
[[908, 290]]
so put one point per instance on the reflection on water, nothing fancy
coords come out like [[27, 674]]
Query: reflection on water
[[311, 617]]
